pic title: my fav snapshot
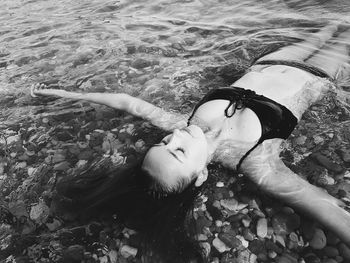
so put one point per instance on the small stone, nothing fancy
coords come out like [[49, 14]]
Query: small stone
[[232, 204], [329, 260], [217, 204], [279, 239], [202, 237], [331, 251], [230, 240], [18, 208], [220, 184], [287, 258], [127, 251], [257, 246], [58, 157], [31, 171], [284, 224], [39, 212], [344, 251], [300, 140], [202, 222], [253, 258], [261, 228], [140, 63], [326, 162], [206, 247], [318, 139], [220, 246], [85, 155], [347, 175], [21, 165], [270, 245], [288, 210], [312, 258], [63, 166], [243, 256], [345, 154], [54, 225], [319, 239], [218, 223], [140, 145], [244, 242], [332, 239], [246, 221], [12, 139], [248, 235], [73, 253], [45, 120], [272, 254]]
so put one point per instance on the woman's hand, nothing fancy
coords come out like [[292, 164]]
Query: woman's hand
[[41, 89]]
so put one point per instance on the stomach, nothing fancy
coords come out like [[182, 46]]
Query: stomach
[[277, 82]]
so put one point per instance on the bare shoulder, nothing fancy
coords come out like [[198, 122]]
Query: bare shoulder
[[167, 120]]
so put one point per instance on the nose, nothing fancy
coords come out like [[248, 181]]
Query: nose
[[174, 138]]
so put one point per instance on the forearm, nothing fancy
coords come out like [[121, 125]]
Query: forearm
[[275, 178], [140, 108]]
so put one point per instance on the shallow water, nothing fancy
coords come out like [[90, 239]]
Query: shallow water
[[169, 52], [160, 50]]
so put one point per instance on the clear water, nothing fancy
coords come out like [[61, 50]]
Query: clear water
[[169, 52], [98, 45]]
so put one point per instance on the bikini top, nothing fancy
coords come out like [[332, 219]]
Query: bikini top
[[276, 120]]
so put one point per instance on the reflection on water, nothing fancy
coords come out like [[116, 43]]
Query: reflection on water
[[155, 49], [169, 52]]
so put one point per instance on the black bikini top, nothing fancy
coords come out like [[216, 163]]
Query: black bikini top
[[276, 120]]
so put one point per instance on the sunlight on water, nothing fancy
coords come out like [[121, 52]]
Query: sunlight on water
[[153, 49]]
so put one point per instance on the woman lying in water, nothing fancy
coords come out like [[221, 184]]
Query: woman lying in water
[[241, 126]]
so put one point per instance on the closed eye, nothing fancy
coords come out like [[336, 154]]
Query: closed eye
[[181, 150]]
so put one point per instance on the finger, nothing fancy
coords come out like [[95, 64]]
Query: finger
[[32, 91]]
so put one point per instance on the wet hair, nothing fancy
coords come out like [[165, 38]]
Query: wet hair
[[163, 218]]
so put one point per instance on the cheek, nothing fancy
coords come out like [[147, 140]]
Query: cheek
[[200, 150]]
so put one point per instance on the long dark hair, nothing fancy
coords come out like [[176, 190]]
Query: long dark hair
[[163, 219]]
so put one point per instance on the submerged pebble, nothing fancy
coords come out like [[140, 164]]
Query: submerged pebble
[[319, 239], [127, 251], [261, 228], [220, 245]]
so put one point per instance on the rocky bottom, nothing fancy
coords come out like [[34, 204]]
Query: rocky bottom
[[236, 222]]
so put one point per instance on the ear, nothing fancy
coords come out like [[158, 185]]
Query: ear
[[202, 177]]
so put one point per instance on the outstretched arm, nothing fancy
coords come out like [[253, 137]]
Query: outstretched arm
[[121, 101], [266, 169]]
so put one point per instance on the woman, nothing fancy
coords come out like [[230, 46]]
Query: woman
[[241, 126]]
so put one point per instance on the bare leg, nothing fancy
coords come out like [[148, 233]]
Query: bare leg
[[303, 50], [332, 56]]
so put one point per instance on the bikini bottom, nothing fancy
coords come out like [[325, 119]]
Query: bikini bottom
[[297, 64]]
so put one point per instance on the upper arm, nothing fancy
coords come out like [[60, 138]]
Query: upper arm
[[157, 116]]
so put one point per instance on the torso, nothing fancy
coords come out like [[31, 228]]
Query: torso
[[243, 126], [279, 83]]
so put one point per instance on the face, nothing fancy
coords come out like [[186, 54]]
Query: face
[[182, 154]]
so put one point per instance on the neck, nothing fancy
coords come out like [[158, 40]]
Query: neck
[[213, 137]]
